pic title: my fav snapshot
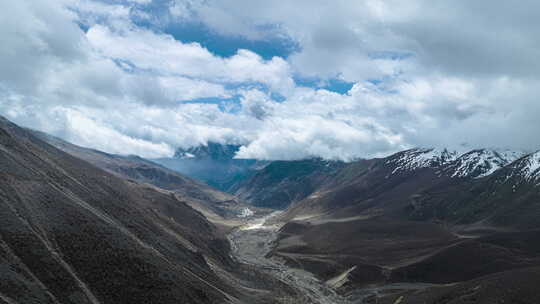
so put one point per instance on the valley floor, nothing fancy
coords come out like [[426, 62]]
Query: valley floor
[[252, 243]]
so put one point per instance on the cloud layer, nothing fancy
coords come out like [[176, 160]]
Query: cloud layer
[[109, 76]]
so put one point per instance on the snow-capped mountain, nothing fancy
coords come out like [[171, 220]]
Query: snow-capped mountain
[[417, 158], [480, 163], [472, 164], [211, 150], [526, 168]]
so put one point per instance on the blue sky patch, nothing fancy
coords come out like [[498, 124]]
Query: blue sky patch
[[226, 46], [228, 105], [334, 84], [390, 55]]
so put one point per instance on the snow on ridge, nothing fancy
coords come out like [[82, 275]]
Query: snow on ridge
[[246, 212], [475, 163], [188, 155], [482, 162], [530, 169], [421, 158]]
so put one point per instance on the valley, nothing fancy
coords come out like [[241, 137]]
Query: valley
[[420, 226], [415, 227], [269, 152], [252, 242]]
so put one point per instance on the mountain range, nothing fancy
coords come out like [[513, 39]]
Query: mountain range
[[419, 226], [410, 217], [422, 215]]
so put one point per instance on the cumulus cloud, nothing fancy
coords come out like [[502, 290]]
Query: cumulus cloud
[[340, 37], [165, 55], [423, 74]]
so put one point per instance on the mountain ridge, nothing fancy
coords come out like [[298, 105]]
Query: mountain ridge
[[74, 233], [200, 196], [420, 215]]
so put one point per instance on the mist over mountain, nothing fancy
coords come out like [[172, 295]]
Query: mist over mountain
[[211, 150], [214, 164]]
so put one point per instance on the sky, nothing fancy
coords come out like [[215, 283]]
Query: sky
[[284, 79]]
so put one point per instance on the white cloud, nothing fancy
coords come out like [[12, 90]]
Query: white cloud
[[97, 134], [165, 55], [458, 37], [444, 77], [141, 1]]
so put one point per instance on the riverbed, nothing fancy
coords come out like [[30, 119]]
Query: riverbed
[[251, 244]]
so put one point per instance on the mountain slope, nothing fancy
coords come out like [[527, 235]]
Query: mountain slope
[[513, 286], [284, 182], [412, 184], [480, 163], [509, 197], [413, 216], [72, 233], [198, 195]]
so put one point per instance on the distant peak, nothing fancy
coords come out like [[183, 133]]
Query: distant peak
[[528, 167], [481, 162], [473, 163], [421, 158], [211, 150]]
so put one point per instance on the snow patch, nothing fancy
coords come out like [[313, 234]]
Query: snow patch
[[246, 212], [531, 168], [414, 159], [481, 163], [476, 163]]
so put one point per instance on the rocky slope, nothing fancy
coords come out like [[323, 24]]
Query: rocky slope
[[211, 202], [414, 217], [409, 184], [513, 286], [74, 233]]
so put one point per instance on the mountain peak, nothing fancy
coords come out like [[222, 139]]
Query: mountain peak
[[481, 162], [473, 164], [211, 150], [527, 167], [421, 158]]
